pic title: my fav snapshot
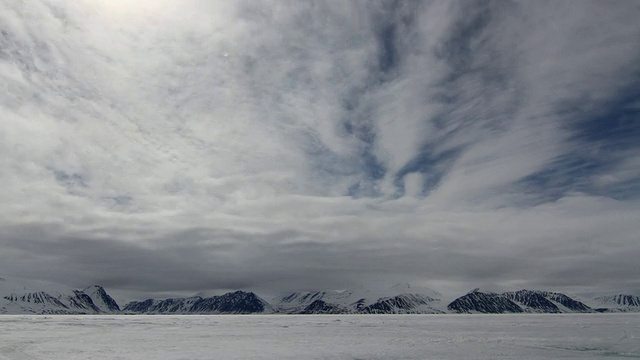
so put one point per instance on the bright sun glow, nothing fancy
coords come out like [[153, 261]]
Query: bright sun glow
[[189, 12], [137, 8]]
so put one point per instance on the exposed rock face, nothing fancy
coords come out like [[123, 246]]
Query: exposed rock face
[[139, 306], [517, 301], [303, 298], [321, 307], [566, 301], [534, 301], [101, 299], [40, 298], [401, 304], [617, 303], [398, 299], [480, 302], [82, 301], [623, 300], [238, 302], [19, 298], [166, 306]]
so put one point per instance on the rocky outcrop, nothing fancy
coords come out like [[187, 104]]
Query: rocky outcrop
[[481, 302]]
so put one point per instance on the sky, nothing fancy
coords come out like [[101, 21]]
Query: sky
[[162, 147]]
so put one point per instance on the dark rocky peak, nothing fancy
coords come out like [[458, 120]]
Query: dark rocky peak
[[139, 306], [534, 300], [101, 299], [567, 302], [238, 302], [321, 307], [83, 301], [490, 303], [405, 303]]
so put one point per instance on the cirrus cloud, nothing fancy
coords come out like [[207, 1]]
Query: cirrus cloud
[[279, 146]]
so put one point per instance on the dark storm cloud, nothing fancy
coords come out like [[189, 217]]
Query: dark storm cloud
[[164, 149]]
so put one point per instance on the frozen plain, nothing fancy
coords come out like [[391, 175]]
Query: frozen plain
[[574, 336]]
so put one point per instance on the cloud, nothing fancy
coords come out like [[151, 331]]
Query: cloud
[[275, 146]]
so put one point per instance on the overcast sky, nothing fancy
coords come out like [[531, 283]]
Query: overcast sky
[[183, 146]]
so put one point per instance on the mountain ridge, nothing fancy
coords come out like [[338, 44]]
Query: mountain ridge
[[36, 297], [521, 301], [237, 302], [397, 299]]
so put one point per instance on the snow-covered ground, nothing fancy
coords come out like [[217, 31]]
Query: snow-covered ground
[[575, 336]]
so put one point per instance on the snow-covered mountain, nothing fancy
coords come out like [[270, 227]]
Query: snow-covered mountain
[[398, 299], [617, 303], [19, 296], [322, 307], [238, 302], [101, 299], [535, 301]]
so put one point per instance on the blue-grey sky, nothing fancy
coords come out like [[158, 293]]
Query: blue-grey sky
[[183, 146]]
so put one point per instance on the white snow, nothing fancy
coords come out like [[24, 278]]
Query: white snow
[[529, 336], [16, 288], [371, 294]]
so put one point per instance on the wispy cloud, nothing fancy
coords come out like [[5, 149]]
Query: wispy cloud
[[322, 144]]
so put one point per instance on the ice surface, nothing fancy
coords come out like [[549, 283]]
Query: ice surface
[[529, 336]]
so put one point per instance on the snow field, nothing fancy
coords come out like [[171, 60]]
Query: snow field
[[528, 336]]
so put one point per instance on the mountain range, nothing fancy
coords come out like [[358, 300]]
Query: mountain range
[[238, 302], [33, 297]]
